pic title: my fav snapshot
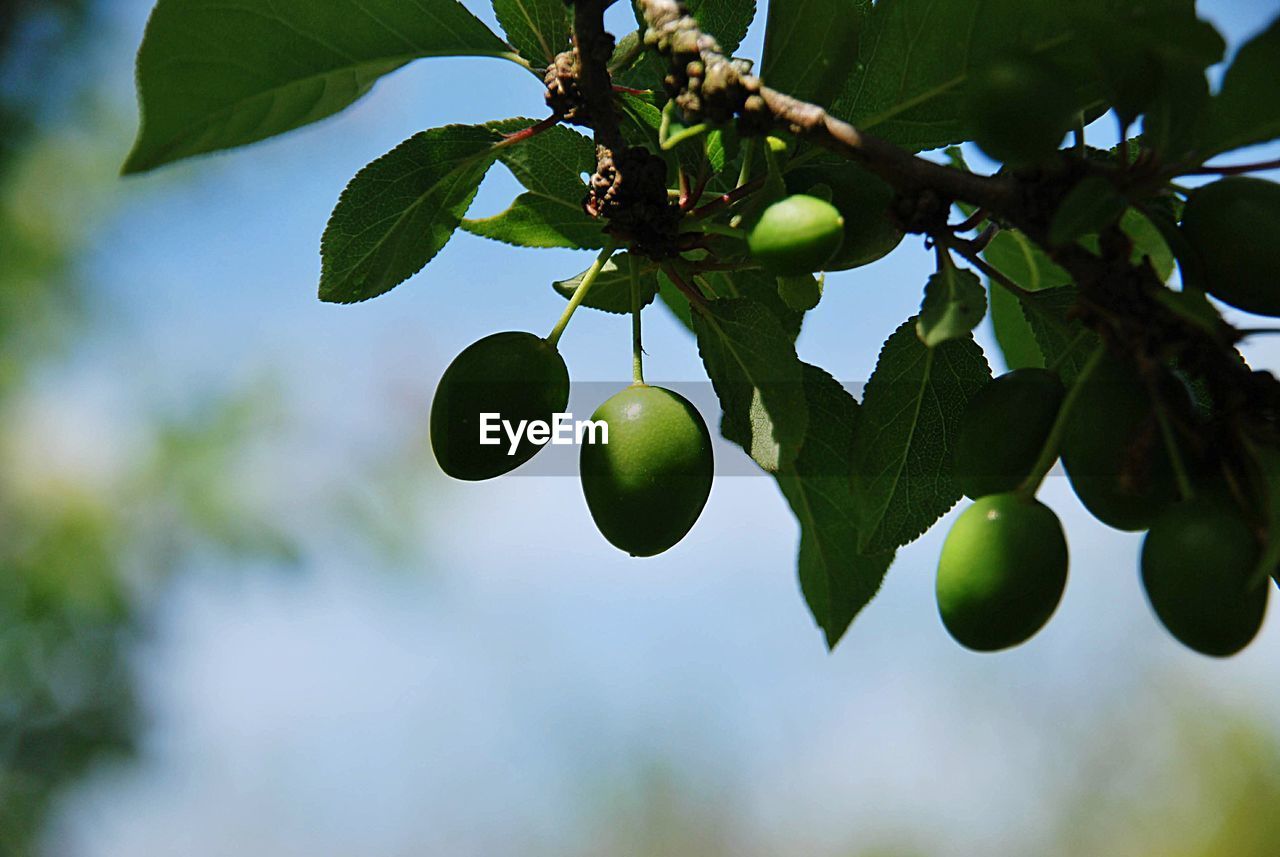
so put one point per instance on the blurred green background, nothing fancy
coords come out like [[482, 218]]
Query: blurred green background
[[241, 613]]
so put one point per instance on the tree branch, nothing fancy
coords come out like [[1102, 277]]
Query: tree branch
[[595, 47], [726, 89]]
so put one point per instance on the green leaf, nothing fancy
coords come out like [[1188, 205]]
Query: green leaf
[[214, 74], [535, 221], [1174, 121], [727, 20], [1148, 242], [837, 580], [538, 29], [1090, 206], [550, 163], [809, 46], [753, 366], [550, 166], [1137, 50], [401, 210], [611, 291], [1065, 342], [675, 301], [903, 449], [954, 304], [760, 287], [1017, 343], [1018, 258], [915, 57], [1247, 109]]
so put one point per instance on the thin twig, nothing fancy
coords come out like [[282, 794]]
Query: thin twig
[[725, 200], [1235, 169], [696, 298]]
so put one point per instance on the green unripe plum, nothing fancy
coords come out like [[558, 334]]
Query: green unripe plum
[[863, 200], [1113, 450], [647, 486], [1197, 562], [1003, 430], [1002, 572], [1020, 109], [796, 235], [1234, 224], [518, 376]]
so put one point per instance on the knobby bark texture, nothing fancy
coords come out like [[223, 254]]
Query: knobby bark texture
[[1119, 298]]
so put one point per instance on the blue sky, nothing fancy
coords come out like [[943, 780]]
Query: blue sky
[[502, 688]]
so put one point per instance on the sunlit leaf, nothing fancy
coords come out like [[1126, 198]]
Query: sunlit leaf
[[214, 74], [401, 210]]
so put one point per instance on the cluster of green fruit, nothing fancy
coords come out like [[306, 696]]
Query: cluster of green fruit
[[645, 487], [1003, 566], [647, 484]]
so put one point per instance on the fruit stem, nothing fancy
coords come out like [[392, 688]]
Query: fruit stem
[[580, 294], [728, 199], [637, 346], [1002, 279], [1171, 444], [998, 276], [1049, 453]]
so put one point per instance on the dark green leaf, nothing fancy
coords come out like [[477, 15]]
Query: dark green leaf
[[1148, 242], [1018, 258], [753, 366], [954, 304], [1136, 50], [611, 292], [1175, 120], [903, 449], [550, 163], [1090, 206], [550, 166], [538, 29], [760, 287], [915, 57], [401, 210], [1247, 110], [837, 581], [810, 46], [1065, 343], [213, 74], [675, 301]]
